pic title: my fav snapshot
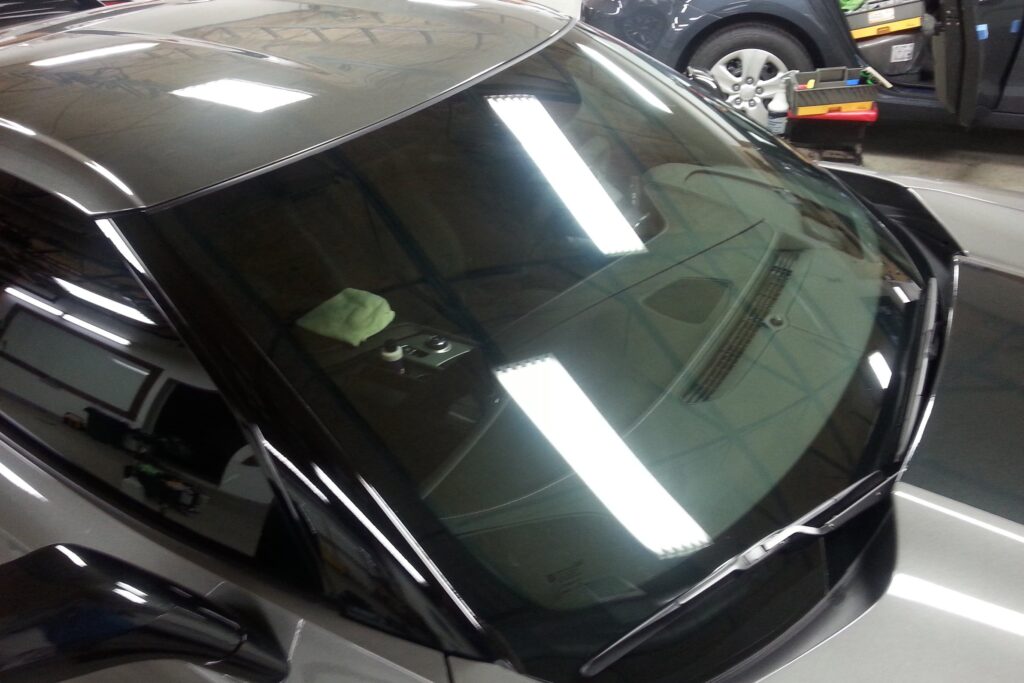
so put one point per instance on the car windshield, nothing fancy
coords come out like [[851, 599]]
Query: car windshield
[[608, 332]]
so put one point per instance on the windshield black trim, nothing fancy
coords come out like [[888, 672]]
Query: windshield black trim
[[822, 520]]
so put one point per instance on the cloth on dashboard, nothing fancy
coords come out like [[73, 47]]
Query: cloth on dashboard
[[353, 316]]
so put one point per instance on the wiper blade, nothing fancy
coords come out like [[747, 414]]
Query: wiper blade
[[822, 520], [924, 358]]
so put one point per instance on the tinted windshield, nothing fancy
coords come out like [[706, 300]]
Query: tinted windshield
[[610, 333]]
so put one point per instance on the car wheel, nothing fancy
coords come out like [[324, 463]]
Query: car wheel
[[747, 62]]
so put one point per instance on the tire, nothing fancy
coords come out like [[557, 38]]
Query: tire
[[756, 35], [748, 61]]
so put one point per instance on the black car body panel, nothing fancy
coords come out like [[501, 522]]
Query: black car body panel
[[147, 147], [65, 135]]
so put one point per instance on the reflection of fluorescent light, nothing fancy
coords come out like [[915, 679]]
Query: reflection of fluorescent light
[[71, 555], [131, 367], [110, 232], [962, 517], [571, 422], [128, 595], [10, 476], [370, 526], [900, 294], [957, 603], [422, 554], [93, 54], [96, 330], [72, 202], [16, 127], [130, 589], [103, 302], [567, 173], [254, 97], [445, 3], [296, 471], [33, 301], [106, 173], [877, 362], [623, 77], [925, 416]]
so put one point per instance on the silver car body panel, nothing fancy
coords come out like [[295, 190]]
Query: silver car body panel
[[988, 223], [954, 610], [117, 109]]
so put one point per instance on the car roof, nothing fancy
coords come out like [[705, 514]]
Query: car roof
[[112, 109]]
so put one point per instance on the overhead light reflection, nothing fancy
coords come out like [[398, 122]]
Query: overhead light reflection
[[103, 302], [925, 416], [109, 231], [16, 127], [33, 301], [72, 202], [247, 95], [114, 180], [954, 602], [106, 334], [568, 419], [900, 294], [881, 368], [53, 310], [8, 474], [130, 588], [960, 516], [422, 554], [93, 54], [131, 597], [624, 78], [567, 173], [71, 555], [370, 526], [296, 471]]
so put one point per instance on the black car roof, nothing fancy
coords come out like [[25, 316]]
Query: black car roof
[[103, 107]]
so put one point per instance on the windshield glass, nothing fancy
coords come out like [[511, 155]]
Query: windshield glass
[[610, 333]]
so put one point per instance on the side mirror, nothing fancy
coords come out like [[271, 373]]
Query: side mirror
[[66, 611]]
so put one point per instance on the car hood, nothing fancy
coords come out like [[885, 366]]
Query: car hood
[[954, 609]]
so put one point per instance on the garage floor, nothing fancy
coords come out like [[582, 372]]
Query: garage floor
[[993, 158]]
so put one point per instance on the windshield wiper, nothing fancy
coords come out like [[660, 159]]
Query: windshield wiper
[[925, 349], [822, 520]]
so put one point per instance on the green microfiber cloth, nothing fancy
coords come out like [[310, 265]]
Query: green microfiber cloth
[[851, 5], [352, 316]]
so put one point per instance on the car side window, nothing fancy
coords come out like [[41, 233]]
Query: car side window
[[90, 368]]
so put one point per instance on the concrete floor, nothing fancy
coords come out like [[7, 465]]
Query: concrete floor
[[993, 158]]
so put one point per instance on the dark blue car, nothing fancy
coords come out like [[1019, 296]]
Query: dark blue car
[[960, 56]]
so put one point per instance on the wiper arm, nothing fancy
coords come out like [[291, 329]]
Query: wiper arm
[[820, 521], [924, 358]]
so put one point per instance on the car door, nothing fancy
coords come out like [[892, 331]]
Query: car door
[[114, 438], [976, 45]]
